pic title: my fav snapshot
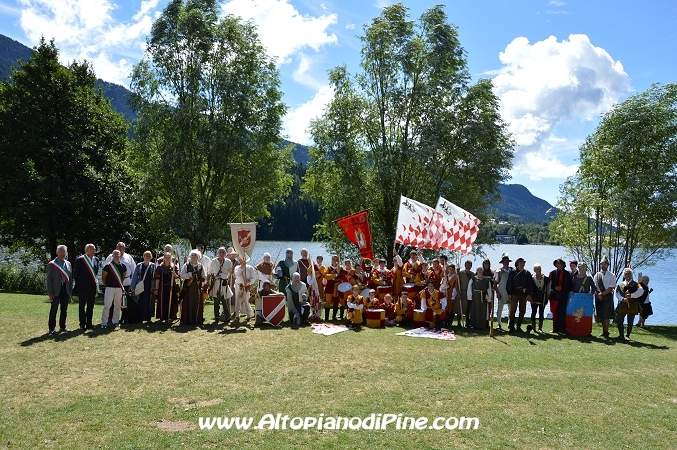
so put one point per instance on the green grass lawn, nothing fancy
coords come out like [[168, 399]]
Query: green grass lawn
[[146, 386]]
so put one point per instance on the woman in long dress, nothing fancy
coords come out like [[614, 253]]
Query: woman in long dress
[[165, 274], [193, 274], [479, 289], [145, 272]]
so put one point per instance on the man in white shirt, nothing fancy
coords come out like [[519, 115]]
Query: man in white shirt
[[204, 259], [245, 276], [501, 279], [605, 282], [218, 274], [126, 260]]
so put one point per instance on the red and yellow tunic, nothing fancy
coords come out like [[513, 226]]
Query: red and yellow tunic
[[389, 308], [404, 310], [411, 272], [353, 314], [333, 277], [433, 304]]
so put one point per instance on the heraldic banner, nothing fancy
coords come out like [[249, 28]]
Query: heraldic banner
[[459, 228], [415, 226], [447, 226], [356, 228], [244, 237]]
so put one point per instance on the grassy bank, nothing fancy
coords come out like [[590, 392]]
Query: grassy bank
[[146, 386]]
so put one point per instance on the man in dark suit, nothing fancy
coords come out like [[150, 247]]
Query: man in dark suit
[[85, 270], [59, 288]]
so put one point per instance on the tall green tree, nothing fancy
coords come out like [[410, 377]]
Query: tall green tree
[[622, 202], [63, 148], [409, 123], [209, 121]]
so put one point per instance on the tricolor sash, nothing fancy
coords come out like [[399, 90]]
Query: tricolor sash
[[90, 268], [62, 269], [118, 278]]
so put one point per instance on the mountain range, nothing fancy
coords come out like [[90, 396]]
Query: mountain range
[[517, 204]]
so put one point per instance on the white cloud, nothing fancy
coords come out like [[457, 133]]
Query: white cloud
[[350, 26], [543, 164], [556, 3], [282, 29], [301, 74], [297, 120], [6, 9], [86, 29], [548, 83], [380, 4]]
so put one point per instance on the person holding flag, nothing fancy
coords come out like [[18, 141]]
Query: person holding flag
[[113, 274], [59, 288]]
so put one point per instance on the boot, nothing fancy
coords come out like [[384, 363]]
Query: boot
[[326, 314], [511, 326], [540, 325], [342, 311], [519, 326], [533, 324], [259, 321], [333, 312]]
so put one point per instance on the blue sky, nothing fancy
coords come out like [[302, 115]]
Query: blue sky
[[557, 65]]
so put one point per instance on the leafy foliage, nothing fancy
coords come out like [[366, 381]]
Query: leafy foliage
[[622, 202], [62, 161], [209, 122], [408, 124]]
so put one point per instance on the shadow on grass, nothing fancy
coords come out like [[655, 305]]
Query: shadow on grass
[[58, 337], [666, 331]]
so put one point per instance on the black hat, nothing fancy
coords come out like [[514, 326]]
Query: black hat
[[520, 260], [559, 260]]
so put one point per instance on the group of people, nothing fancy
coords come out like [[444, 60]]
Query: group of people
[[409, 294]]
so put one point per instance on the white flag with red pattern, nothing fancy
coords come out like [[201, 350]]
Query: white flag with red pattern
[[457, 227], [415, 225]]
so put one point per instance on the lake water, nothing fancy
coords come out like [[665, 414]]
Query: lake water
[[664, 313]]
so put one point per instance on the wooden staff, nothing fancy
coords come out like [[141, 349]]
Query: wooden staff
[[171, 295], [491, 329]]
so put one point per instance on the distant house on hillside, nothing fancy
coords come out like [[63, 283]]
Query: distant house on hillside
[[505, 238]]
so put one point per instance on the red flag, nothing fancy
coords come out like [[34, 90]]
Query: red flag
[[356, 228]]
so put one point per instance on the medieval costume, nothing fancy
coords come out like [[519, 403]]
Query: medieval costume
[[501, 277], [396, 276], [628, 292], [192, 306], [389, 307], [461, 305], [356, 308], [449, 287], [245, 277], [297, 300], [219, 272], [265, 270], [520, 287], [167, 298], [540, 299], [404, 310], [284, 269], [644, 302], [333, 276], [561, 286], [431, 304], [479, 289], [145, 272]]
